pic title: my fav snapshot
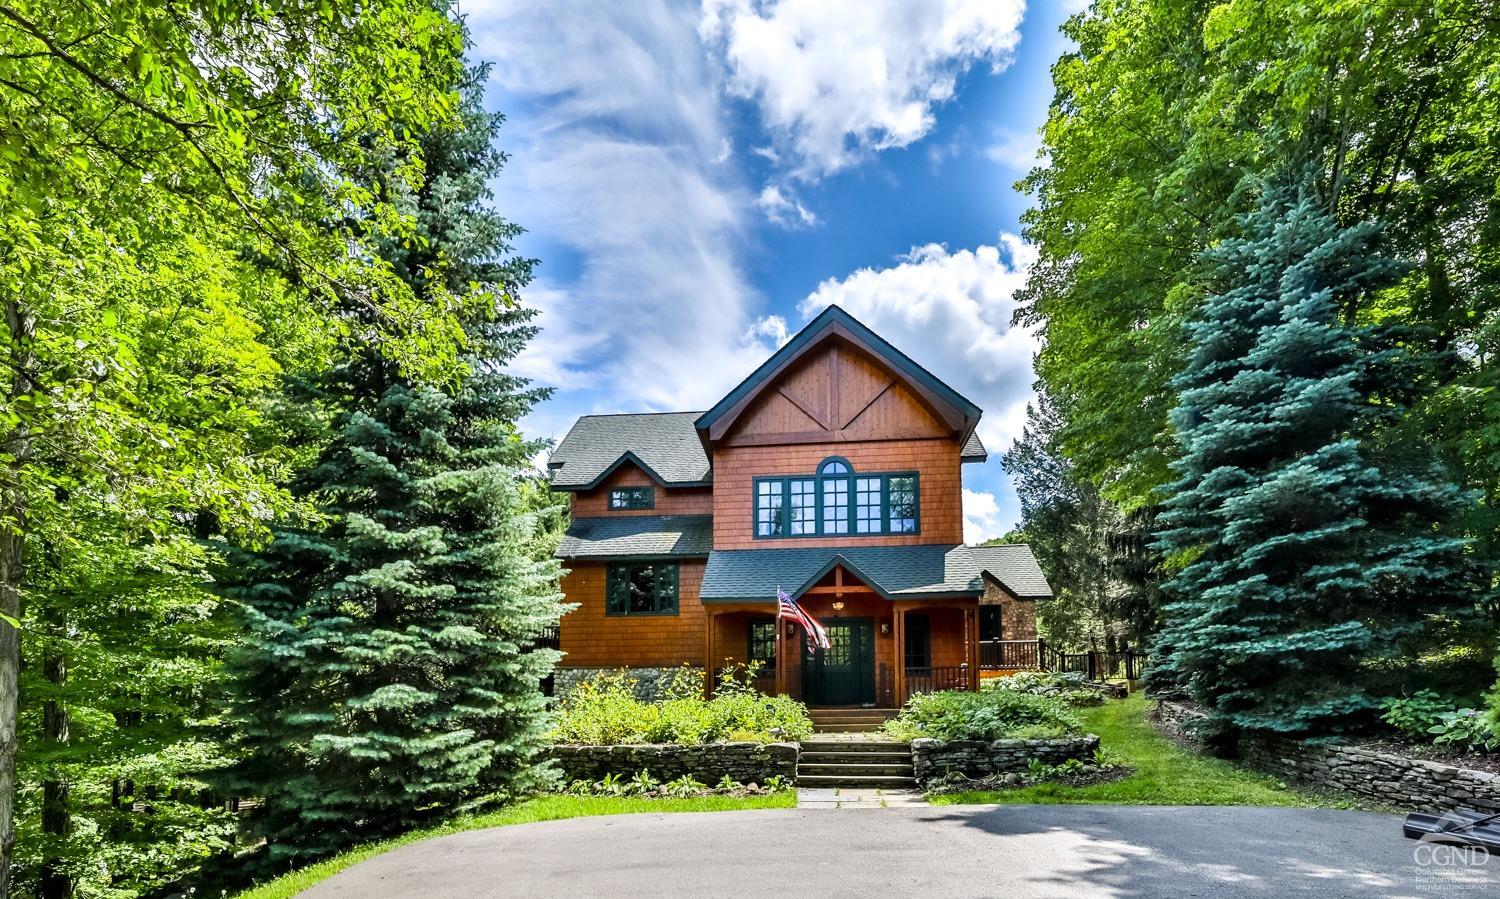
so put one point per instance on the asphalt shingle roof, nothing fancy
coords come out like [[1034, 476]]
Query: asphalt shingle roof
[[638, 536], [664, 443], [907, 572], [973, 449]]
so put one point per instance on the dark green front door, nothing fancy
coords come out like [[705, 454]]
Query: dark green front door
[[844, 673]]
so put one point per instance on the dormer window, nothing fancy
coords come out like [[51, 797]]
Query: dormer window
[[836, 501], [632, 498]]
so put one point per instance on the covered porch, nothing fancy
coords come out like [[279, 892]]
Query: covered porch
[[882, 650]]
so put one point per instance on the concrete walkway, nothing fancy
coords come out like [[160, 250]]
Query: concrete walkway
[[855, 797], [1018, 852]]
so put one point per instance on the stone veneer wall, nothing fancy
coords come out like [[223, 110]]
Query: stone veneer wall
[[1383, 776], [932, 759], [708, 763], [648, 681]]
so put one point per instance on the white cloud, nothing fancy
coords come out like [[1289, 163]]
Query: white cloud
[[983, 518], [784, 209], [618, 138], [836, 80], [951, 312], [1015, 151], [772, 329]]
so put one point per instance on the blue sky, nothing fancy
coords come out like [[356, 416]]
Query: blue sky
[[700, 178]]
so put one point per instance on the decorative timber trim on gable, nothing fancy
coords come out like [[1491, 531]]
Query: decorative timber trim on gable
[[827, 422]]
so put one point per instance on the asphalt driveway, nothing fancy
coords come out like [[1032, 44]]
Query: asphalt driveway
[[1010, 851]]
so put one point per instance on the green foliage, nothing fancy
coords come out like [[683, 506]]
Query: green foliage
[[1069, 686], [1162, 773], [605, 710], [390, 665], [1415, 715], [986, 715], [644, 785], [1465, 729], [1305, 552]]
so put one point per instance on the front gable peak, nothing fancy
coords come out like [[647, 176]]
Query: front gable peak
[[839, 377]]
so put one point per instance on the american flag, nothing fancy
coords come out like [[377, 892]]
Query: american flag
[[817, 638]]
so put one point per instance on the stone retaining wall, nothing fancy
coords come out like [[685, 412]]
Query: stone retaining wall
[[933, 759], [648, 681], [709, 763], [1385, 777]]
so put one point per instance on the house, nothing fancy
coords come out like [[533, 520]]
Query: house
[[832, 472]]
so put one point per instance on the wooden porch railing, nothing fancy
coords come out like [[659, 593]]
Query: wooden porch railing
[[1036, 655], [933, 679]]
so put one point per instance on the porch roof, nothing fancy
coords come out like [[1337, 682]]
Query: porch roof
[[638, 536], [894, 572]]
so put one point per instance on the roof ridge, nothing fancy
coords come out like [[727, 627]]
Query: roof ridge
[[636, 414]]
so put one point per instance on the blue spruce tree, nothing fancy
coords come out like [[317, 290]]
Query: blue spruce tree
[[390, 669], [1309, 552]]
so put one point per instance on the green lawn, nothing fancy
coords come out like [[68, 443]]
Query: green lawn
[[1164, 773], [543, 808]]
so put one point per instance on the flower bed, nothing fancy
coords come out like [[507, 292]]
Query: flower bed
[[986, 716], [605, 711]]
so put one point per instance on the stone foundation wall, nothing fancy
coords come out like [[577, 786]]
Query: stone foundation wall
[[933, 759], [709, 763], [1385, 777], [648, 686]]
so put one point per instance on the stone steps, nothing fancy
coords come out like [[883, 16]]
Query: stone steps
[[855, 763], [849, 720]]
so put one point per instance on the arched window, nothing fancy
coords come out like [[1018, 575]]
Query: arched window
[[835, 501]]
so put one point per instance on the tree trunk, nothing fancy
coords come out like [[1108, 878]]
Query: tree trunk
[[57, 821], [22, 327]]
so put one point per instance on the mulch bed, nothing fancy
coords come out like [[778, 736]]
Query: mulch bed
[[1472, 760]]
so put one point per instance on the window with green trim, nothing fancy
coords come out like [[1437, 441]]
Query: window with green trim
[[633, 498], [762, 651], [640, 588], [837, 501]]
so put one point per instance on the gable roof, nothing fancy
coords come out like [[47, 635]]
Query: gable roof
[[973, 450], [638, 536], [664, 444], [894, 572], [951, 407]]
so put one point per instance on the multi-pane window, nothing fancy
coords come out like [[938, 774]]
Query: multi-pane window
[[641, 589], [804, 506], [768, 506], [632, 498], [762, 653], [867, 505], [901, 503], [836, 501]]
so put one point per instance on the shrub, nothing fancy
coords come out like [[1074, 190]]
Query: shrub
[[987, 715], [1070, 686], [1467, 729], [605, 710], [1415, 715]]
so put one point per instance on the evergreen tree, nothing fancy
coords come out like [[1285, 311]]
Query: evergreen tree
[[389, 669], [1309, 552]]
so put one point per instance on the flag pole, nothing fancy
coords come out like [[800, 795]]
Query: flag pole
[[780, 647]]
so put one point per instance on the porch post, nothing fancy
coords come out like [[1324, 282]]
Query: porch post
[[708, 657], [973, 616], [898, 635]]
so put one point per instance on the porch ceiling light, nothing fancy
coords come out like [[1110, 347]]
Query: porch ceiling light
[[838, 607]]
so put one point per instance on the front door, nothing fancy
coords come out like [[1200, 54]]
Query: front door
[[844, 673]]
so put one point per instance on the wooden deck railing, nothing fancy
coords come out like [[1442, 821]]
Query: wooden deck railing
[[1010, 655], [932, 679]]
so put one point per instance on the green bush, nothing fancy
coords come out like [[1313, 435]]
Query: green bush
[[1415, 715], [987, 715], [1466, 729], [1069, 686], [605, 710]]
